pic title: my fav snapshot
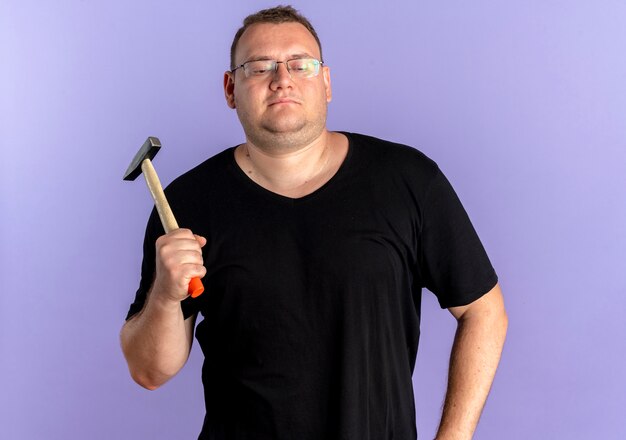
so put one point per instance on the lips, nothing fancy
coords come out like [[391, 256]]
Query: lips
[[283, 101]]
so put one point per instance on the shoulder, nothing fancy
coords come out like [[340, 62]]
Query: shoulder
[[193, 194], [397, 160], [205, 175]]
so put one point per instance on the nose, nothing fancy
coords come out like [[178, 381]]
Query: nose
[[281, 76]]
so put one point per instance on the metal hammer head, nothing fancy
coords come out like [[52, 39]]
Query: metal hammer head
[[148, 150]]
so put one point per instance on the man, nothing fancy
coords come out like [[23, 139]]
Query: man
[[313, 247]]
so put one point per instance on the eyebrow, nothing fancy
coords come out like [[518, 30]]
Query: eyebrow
[[294, 56]]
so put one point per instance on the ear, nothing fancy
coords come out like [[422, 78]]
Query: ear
[[326, 75], [229, 88]]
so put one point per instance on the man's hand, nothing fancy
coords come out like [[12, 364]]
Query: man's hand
[[178, 260], [157, 341], [475, 356]]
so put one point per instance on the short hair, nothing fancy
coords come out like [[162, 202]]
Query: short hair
[[276, 15]]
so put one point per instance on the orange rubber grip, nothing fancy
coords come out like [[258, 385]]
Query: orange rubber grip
[[195, 287]]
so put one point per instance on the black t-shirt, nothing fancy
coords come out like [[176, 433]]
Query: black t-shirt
[[312, 305]]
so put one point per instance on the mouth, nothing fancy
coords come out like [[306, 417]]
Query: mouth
[[282, 101]]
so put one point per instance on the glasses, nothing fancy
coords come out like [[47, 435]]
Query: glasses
[[297, 68]]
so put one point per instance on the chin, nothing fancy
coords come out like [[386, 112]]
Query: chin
[[283, 139], [285, 125]]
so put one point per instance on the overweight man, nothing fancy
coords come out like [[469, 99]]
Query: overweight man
[[313, 247]]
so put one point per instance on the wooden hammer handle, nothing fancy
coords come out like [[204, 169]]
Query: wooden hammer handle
[[165, 214], [163, 207]]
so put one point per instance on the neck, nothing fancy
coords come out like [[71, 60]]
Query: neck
[[293, 172]]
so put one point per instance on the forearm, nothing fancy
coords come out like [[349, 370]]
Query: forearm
[[475, 356], [156, 342]]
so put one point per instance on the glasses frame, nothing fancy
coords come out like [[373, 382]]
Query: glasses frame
[[320, 63]]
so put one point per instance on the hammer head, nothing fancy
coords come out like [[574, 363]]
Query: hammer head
[[148, 150]]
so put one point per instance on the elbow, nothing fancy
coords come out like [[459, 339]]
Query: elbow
[[143, 376], [136, 366], [148, 376], [148, 369], [146, 381]]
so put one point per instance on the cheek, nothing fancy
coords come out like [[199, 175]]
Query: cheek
[[248, 99]]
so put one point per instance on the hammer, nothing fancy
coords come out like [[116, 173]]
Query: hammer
[[142, 162]]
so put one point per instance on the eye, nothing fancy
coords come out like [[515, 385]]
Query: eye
[[300, 65], [258, 68]]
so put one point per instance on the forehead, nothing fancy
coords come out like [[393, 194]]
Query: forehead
[[275, 41]]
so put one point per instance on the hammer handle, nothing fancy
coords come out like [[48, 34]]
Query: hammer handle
[[163, 207], [165, 214]]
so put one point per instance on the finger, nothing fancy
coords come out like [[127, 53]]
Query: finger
[[179, 274], [180, 234], [182, 242], [200, 239], [181, 257], [193, 271], [186, 234]]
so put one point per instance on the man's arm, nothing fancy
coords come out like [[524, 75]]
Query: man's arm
[[157, 341], [481, 330]]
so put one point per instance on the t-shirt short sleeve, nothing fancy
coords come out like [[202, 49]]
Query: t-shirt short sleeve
[[453, 262], [154, 230]]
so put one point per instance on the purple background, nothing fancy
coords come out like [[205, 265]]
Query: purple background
[[522, 103]]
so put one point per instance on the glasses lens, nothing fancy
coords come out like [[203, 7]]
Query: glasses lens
[[304, 67], [259, 68]]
